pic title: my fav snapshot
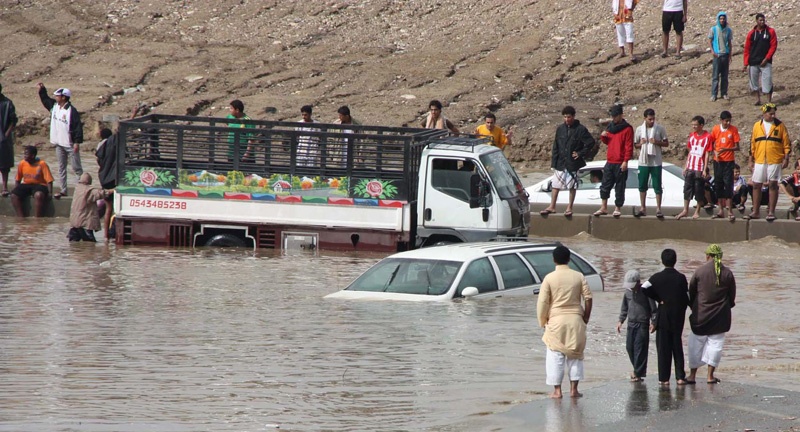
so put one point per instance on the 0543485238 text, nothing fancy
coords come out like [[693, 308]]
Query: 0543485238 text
[[157, 204]]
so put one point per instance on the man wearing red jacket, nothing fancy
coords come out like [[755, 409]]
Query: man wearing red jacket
[[619, 138], [759, 47]]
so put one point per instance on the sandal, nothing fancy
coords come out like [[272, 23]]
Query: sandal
[[718, 216], [639, 214], [714, 381], [616, 214], [660, 215], [546, 212], [59, 195], [741, 208], [599, 213], [568, 213], [731, 217], [752, 216], [770, 218], [4, 193], [797, 218]]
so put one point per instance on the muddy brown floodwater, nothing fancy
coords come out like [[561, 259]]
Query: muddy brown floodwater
[[103, 338]]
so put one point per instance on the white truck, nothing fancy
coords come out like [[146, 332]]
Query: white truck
[[197, 181]]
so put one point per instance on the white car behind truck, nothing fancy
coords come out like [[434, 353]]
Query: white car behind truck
[[182, 181]]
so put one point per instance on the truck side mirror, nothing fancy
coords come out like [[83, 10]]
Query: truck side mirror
[[478, 188]]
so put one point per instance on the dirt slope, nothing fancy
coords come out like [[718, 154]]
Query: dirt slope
[[523, 60]]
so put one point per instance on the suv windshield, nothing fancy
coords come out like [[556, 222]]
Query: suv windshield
[[503, 176], [408, 276]]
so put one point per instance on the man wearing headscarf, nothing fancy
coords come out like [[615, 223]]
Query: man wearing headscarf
[[712, 295]]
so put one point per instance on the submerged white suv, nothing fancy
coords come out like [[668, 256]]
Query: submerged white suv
[[476, 270]]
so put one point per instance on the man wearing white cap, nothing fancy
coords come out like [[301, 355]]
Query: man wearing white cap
[[640, 311], [66, 133]]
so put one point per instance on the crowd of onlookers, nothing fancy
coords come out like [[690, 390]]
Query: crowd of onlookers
[[769, 147]]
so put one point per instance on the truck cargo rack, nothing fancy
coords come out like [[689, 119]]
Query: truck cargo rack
[[324, 150]]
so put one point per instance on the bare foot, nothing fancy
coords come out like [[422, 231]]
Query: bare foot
[[556, 395], [575, 394], [681, 214]]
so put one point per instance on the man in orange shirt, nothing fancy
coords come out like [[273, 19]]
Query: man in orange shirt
[[726, 142], [33, 178], [499, 137]]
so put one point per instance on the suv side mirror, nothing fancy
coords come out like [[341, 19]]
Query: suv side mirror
[[470, 292]]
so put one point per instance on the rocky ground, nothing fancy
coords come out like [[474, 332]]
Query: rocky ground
[[522, 59]]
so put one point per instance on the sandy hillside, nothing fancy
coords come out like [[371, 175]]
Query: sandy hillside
[[523, 60]]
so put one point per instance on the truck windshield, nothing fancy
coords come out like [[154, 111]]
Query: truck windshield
[[408, 276], [505, 180]]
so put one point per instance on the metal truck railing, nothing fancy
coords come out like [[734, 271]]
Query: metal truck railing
[[266, 148]]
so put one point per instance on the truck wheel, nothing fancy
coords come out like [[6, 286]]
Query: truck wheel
[[225, 240]]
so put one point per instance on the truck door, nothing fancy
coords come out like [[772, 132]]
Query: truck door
[[447, 193]]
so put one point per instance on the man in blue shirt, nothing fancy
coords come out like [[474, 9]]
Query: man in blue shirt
[[719, 38]]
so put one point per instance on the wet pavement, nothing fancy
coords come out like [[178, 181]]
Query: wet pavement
[[625, 406]]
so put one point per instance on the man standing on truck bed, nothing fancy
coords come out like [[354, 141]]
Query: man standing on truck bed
[[307, 146], [237, 113], [435, 119]]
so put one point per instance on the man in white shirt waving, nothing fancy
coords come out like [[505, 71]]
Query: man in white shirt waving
[[66, 133]]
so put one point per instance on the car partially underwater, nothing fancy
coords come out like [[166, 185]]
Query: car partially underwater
[[464, 270]]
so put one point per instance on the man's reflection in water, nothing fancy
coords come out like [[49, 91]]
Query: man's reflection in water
[[638, 401], [667, 401], [564, 415]]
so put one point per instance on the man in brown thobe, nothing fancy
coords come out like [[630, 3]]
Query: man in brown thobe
[[712, 295]]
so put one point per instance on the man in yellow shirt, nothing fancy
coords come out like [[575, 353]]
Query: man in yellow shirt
[[490, 129], [770, 149]]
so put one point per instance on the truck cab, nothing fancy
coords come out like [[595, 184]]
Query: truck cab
[[468, 192]]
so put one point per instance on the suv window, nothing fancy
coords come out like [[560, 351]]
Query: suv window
[[542, 262], [479, 274], [514, 272]]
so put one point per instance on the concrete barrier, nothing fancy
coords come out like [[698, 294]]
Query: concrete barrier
[[629, 228], [53, 208], [786, 230]]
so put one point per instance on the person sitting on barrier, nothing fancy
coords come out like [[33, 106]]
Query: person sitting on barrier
[[33, 178], [739, 188], [790, 185], [83, 216]]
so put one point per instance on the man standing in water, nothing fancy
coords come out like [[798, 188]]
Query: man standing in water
[[564, 320], [669, 289], [712, 295]]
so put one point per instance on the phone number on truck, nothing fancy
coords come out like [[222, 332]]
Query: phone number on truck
[[157, 204]]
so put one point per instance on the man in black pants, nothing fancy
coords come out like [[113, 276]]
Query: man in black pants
[[670, 290]]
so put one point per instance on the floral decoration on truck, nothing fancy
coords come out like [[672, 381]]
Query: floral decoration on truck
[[380, 189], [149, 177]]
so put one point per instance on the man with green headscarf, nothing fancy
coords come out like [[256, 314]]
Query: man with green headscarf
[[712, 294]]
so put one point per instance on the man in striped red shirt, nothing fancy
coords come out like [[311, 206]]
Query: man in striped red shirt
[[700, 146]]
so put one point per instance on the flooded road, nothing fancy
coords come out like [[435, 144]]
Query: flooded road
[[99, 338]]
